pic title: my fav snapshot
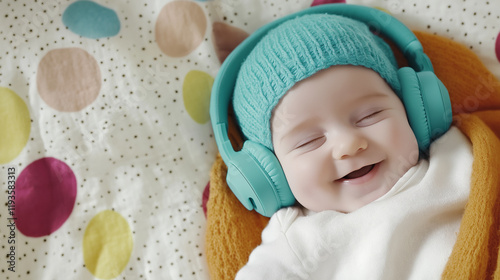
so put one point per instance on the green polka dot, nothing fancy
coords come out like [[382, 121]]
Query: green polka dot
[[15, 125], [196, 93]]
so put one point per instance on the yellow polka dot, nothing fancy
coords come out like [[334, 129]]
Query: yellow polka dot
[[196, 93], [15, 125], [107, 245]]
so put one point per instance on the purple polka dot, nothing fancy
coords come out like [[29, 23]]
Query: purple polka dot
[[45, 196], [497, 47], [321, 2]]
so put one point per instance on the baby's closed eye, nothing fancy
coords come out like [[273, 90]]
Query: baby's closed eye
[[310, 143], [371, 118]]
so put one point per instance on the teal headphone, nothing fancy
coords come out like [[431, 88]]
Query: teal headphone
[[254, 173]]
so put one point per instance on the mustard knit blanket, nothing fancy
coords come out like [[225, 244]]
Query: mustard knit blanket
[[233, 232]]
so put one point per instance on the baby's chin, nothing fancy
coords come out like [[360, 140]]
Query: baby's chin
[[377, 194], [359, 200], [355, 204], [369, 198]]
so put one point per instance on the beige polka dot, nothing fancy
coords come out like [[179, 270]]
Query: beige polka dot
[[68, 79], [180, 28]]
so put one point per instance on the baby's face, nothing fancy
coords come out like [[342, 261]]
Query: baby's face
[[342, 138]]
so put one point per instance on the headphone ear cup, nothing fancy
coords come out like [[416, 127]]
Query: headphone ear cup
[[411, 96], [270, 185], [436, 102], [427, 104]]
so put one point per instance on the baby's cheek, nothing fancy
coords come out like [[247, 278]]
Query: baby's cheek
[[297, 174], [399, 135], [404, 147]]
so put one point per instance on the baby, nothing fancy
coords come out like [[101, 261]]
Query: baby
[[321, 92]]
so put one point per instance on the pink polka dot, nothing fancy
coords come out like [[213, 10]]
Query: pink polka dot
[[497, 47], [45, 196], [321, 2]]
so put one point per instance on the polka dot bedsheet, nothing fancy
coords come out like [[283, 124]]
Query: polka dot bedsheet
[[105, 138]]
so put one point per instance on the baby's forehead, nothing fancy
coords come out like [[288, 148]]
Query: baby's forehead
[[335, 93]]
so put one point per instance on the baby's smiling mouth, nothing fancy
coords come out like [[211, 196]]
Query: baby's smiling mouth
[[358, 173]]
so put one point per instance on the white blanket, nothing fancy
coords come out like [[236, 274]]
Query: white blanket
[[406, 234]]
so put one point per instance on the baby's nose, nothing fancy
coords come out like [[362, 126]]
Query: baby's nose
[[349, 145]]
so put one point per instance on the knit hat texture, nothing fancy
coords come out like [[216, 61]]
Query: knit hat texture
[[294, 51]]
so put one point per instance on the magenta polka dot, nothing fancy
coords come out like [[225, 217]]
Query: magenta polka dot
[[497, 47], [45, 196], [204, 200], [321, 2]]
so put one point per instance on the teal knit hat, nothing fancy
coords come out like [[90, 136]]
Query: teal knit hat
[[295, 50]]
